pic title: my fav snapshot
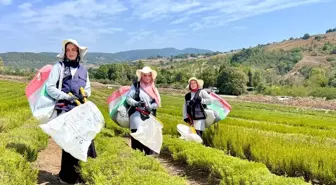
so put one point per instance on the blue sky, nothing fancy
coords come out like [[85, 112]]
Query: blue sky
[[119, 25]]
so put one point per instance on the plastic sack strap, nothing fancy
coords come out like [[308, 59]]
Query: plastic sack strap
[[61, 76]]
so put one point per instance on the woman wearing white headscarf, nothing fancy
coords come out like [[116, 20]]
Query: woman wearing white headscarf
[[75, 76], [144, 99], [195, 102]]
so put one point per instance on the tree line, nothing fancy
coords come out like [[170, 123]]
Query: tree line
[[249, 69]]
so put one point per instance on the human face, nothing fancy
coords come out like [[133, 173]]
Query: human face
[[146, 77], [193, 85], [71, 51]]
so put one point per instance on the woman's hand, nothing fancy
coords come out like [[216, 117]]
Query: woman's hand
[[71, 98], [141, 104], [151, 106]]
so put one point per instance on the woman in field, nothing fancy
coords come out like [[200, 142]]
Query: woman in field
[[75, 76], [144, 99], [194, 105]]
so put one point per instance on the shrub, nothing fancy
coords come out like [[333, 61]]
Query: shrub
[[117, 163], [306, 36], [14, 169], [228, 170]]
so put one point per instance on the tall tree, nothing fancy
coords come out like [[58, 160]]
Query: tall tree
[[1, 62], [209, 76], [231, 81]]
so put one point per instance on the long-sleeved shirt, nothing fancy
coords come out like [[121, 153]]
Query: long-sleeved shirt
[[206, 99], [135, 118], [54, 76]]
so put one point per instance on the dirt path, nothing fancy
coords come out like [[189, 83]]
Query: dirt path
[[174, 168], [49, 163]]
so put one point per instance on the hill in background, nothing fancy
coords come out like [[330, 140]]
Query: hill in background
[[37, 60]]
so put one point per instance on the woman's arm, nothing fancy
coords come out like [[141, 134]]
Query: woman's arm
[[87, 87], [206, 98], [185, 114], [130, 101], [51, 82]]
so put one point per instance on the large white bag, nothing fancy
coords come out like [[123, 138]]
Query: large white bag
[[211, 117], [149, 133], [41, 104], [73, 131], [187, 133]]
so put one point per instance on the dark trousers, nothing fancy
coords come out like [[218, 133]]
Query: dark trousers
[[135, 144], [199, 132], [68, 172]]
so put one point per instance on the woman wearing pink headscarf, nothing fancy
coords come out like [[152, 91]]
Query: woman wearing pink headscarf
[[144, 99]]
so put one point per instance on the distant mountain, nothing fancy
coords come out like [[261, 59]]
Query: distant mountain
[[27, 59], [165, 52], [36, 60]]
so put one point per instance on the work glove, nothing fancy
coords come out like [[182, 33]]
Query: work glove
[[141, 104], [71, 98], [150, 107], [81, 97]]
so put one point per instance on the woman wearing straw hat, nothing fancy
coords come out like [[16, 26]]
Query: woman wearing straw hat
[[144, 99], [65, 80], [194, 105]]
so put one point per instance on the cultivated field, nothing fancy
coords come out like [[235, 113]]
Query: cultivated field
[[257, 144]]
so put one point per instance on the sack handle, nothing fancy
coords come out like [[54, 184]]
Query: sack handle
[[61, 77]]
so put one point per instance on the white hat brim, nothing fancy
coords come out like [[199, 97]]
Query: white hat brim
[[82, 49], [146, 70], [199, 82]]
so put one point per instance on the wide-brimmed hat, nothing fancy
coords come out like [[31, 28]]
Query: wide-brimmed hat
[[199, 82], [82, 49], [146, 70]]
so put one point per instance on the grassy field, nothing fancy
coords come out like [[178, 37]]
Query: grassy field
[[20, 137], [256, 144], [290, 141], [232, 170]]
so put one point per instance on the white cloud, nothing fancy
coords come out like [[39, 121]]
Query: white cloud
[[5, 2], [27, 10], [138, 36], [220, 13], [109, 30], [145, 9], [196, 26], [25, 6], [238, 28], [151, 37], [88, 19], [180, 20], [208, 13], [158, 21]]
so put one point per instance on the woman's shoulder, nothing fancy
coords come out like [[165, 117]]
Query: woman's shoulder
[[187, 95], [57, 66], [203, 93]]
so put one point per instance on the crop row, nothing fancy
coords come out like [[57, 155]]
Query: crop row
[[284, 154], [223, 169], [117, 163], [20, 137]]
